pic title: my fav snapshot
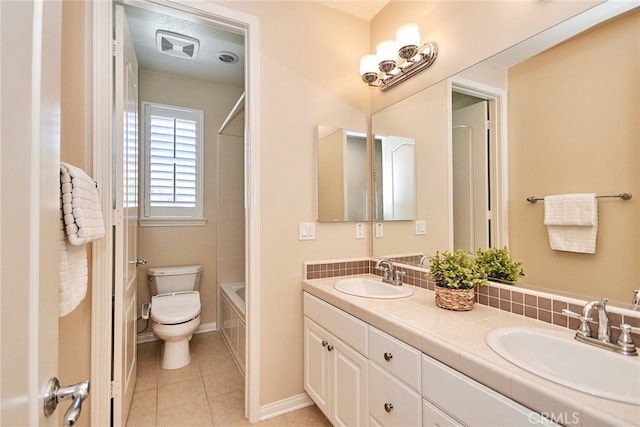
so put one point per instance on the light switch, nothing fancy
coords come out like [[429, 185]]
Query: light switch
[[307, 231], [421, 228], [379, 229], [359, 230]]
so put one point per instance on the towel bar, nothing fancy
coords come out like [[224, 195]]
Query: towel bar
[[623, 196]]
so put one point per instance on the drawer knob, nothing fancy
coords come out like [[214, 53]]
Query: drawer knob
[[388, 407], [324, 343], [329, 347], [388, 356]]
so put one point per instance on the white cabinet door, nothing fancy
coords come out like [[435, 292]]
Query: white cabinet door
[[349, 372], [335, 377], [316, 365]]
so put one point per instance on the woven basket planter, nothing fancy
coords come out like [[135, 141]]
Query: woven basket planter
[[455, 299]]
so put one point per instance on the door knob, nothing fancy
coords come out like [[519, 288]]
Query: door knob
[[54, 393], [140, 261]]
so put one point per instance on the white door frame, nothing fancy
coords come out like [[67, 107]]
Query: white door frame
[[498, 155], [102, 254]]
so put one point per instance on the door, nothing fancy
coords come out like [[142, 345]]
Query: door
[[398, 177], [29, 208], [471, 213], [125, 188]]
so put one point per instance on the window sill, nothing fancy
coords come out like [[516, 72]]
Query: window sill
[[172, 222]]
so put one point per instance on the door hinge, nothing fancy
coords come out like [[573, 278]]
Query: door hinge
[[488, 125], [114, 389], [116, 217], [116, 48]]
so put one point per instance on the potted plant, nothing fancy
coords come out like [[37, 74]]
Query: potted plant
[[498, 265], [456, 275]]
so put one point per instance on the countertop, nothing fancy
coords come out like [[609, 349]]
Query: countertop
[[457, 339]]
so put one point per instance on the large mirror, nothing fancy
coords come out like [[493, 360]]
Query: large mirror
[[570, 126], [341, 174]]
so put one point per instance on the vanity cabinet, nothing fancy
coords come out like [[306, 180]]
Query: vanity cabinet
[[358, 375], [335, 373]]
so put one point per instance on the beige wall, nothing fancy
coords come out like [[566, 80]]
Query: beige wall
[[171, 246], [573, 132], [74, 343]]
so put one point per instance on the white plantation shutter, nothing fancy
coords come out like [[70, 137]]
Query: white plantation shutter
[[173, 159]]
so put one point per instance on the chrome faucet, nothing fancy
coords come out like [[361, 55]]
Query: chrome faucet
[[389, 273], [604, 330], [624, 344], [423, 259]]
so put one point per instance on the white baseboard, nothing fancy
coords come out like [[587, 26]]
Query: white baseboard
[[285, 406], [150, 336]]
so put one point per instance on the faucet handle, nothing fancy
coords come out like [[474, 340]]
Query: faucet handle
[[584, 329], [625, 341], [397, 277]]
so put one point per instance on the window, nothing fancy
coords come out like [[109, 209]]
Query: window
[[172, 165]]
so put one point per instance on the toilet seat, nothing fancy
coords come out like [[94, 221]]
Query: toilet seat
[[175, 308]]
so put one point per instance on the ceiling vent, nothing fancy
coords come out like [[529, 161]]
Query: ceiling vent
[[177, 44]]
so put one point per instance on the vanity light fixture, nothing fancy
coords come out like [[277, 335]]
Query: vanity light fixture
[[396, 61]]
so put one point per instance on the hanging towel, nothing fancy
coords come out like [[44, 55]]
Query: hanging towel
[[81, 208], [572, 222], [72, 286]]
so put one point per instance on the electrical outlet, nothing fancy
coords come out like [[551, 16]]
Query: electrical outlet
[[359, 230], [421, 228]]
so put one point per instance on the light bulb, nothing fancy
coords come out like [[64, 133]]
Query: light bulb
[[408, 35], [369, 69], [408, 40], [368, 64], [386, 54]]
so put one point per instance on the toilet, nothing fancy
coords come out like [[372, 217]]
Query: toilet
[[175, 310]]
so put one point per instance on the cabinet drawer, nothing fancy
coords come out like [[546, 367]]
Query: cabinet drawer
[[392, 403], [401, 360], [434, 417], [342, 325], [469, 401]]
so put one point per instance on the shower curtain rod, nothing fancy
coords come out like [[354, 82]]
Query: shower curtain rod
[[233, 113]]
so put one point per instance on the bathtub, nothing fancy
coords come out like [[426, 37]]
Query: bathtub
[[232, 318]]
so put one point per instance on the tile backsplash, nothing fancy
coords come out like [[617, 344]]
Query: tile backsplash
[[543, 306]]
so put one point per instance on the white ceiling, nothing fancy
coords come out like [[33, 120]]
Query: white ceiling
[[143, 24], [365, 9]]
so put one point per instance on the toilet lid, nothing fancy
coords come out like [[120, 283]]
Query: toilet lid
[[175, 308]]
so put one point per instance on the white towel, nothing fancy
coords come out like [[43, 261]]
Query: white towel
[[81, 208], [72, 286], [572, 222]]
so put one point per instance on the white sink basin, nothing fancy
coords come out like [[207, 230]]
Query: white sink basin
[[370, 288], [557, 357]]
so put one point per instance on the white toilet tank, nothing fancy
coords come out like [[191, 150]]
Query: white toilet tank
[[163, 280]]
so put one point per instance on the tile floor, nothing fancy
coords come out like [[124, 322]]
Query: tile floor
[[207, 392]]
